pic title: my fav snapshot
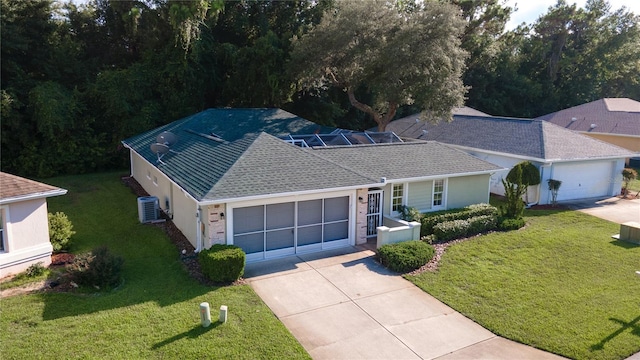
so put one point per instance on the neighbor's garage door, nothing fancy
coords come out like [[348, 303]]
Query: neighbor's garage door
[[583, 180], [272, 230]]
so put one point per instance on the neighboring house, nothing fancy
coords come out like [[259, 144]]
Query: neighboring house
[[244, 182], [24, 232], [614, 120], [587, 167]]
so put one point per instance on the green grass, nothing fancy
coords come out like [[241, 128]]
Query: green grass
[[155, 314], [562, 284]]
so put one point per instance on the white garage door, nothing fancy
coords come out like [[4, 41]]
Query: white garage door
[[272, 230], [584, 180]]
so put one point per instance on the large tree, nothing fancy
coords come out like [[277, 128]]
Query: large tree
[[391, 54]]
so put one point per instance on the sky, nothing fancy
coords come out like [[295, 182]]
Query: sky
[[529, 10]]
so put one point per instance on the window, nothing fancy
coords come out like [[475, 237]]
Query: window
[[148, 174], [155, 180], [438, 193], [397, 197]]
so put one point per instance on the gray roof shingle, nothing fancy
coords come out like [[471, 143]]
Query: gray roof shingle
[[408, 160], [531, 138], [619, 116]]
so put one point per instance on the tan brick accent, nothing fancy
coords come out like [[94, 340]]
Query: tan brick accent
[[217, 225], [361, 216]]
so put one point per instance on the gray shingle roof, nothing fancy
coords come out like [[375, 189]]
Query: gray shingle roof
[[610, 116], [271, 166], [405, 160], [13, 187], [531, 138]]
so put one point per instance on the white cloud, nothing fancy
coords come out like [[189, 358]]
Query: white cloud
[[529, 10]]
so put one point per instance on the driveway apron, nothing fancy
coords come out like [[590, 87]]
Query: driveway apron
[[344, 305]]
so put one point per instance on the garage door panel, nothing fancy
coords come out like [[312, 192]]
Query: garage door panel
[[309, 212], [248, 219], [280, 215], [581, 181], [250, 243], [280, 239], [309, 235], [336, 231], [336, 209]]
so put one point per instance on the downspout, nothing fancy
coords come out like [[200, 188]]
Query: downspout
[[198, 232]]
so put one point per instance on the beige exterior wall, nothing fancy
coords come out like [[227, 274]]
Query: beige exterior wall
[[173, 200], [26, 231], [361, 216], [467, 190], [627, 142]]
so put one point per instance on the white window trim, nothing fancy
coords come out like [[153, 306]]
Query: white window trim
[[405, 197], [444, 194]]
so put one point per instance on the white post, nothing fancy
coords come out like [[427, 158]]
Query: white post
[[223, 314], [205, 314]]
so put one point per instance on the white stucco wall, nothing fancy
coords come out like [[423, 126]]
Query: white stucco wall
[[26, 235]]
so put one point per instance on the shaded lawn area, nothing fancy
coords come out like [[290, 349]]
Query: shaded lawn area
[[561, 284], [154, 314]]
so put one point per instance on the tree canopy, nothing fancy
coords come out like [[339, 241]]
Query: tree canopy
[[78, 79], [396, 55]]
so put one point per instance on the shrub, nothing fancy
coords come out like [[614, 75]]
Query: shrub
[[455, 229], [429, 221], [409, 213], [429, 239], [511, 224], [98, 268], [60, 231], [222, 263], [628, 174], [405, 256], [35, 270]]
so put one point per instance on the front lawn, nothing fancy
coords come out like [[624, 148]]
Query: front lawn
[[561, 284], [154, 314]]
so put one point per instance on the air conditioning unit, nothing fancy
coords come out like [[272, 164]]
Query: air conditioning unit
[[148, 208]]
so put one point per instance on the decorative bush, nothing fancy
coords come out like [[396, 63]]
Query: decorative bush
[[98, 268], [60, 231], [511, 224], [222, 263], [35, 270], [430, 220], [628, 174], [455, 229], [405, 256], [409, 213], [429, 239]]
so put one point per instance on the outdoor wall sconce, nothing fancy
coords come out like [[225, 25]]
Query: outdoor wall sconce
[[222, 215], [361, 199]]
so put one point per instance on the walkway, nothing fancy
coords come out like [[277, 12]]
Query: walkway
[[344, 305]]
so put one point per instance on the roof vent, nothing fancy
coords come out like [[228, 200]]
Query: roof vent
[[573, 119], [424, 132], [593, 126]]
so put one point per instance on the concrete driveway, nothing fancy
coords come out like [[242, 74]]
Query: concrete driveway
[[344, 305], [614, 209]]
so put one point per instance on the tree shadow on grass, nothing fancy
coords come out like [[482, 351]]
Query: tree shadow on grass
[[634, 325], [191, 334]]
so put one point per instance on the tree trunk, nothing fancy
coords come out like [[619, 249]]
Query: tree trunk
[[381, 119]]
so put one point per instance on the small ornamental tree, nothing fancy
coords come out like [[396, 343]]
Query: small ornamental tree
[[530, 176], [554, 186], [513, 191], [60, 231], [628, 175]]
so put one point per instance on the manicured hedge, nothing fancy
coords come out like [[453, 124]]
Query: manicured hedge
[[449, 230], [405, 256], [429, 221], [511, 224], [222, 263]]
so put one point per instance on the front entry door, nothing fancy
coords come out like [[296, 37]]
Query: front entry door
[[374, 212]]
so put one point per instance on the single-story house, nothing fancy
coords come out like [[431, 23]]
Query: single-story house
[[614, 120], [24, 223], [275, 184], [587, 167]]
